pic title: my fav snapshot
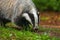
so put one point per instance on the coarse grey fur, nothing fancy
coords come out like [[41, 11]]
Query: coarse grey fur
[[14, 9]]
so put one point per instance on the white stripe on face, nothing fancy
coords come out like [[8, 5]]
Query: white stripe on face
[[27, 17], [34, 12]]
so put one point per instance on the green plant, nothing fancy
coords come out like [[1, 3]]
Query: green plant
[[14, 34]]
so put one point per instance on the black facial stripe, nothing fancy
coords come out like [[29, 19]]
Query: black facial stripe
[[32, 18], [38, 15], [38, 18]]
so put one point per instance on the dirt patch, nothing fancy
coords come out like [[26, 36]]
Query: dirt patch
[[50, 20]]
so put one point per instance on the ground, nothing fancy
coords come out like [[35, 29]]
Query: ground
[[49, 19]]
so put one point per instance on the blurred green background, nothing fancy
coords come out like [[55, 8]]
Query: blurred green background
[[50, 5]]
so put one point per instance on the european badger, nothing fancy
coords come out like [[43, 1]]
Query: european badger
[[18, 10]]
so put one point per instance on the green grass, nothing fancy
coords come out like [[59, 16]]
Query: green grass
[[14, 34]]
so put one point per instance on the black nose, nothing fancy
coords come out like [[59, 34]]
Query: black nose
[[35, 28]]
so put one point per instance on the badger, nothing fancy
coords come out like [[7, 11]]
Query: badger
[[19, 11]]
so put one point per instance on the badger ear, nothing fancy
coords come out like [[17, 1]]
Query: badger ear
[[38, 13]]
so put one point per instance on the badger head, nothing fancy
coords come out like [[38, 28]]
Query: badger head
[[32, 17]]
